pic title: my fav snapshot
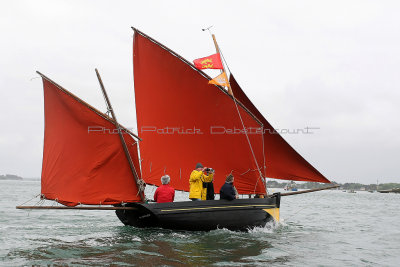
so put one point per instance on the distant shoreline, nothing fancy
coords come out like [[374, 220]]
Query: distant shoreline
[[345, 186], [270, 184], [13, 177], [10, 177]]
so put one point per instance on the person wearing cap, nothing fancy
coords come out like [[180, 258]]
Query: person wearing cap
[[196, 180], [228, 191], [165, 192]]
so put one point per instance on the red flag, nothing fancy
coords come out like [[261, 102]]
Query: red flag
[[210, 62]]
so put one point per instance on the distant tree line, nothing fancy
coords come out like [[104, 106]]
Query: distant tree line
[[345, 186], [10, 177]]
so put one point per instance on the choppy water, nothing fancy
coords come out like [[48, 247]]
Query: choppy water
[[328, 228]]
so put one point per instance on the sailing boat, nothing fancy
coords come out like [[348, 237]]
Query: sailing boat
[[291, 186], [89, 158]]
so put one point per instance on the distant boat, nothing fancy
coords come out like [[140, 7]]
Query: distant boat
[[351, 191], [395, 190], [291, 186]]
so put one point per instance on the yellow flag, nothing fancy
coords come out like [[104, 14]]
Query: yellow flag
[[221, 80]]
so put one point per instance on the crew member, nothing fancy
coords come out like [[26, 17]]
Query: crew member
[[228, 191], [209, 186], [197, 177], [164, 193]]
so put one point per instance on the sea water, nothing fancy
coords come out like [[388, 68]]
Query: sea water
[[327, 228]]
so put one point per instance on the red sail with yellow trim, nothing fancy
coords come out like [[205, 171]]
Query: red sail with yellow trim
[[83, 158], [282, 161], [184, 120]]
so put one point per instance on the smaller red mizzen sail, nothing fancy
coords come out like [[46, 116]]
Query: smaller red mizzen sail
[[83, 158], [282, 161]]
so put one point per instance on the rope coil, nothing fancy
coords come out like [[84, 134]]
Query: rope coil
[[141, 185]]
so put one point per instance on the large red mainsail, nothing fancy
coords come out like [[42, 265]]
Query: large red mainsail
[[83, 158], [184, 120], [282, 161]]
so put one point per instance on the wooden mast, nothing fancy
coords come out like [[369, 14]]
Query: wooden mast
[[234, 99], [128, 156], [223, 67]]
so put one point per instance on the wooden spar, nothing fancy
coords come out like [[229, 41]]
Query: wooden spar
[[73, 208], [128, 156], [308, 191], [223, 70], [101, 114], [215, 43]]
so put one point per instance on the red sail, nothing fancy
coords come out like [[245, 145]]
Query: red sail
[[282, 161], [184, 120], [83, 158]]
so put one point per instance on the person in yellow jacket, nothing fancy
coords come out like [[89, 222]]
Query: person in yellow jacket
[[197, 177]]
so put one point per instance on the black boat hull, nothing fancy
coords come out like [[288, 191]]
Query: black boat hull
[[239, 214]]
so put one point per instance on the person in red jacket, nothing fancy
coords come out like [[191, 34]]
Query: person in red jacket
[[164, 193]]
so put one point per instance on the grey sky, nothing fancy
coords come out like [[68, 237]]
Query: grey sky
[[327, 64]]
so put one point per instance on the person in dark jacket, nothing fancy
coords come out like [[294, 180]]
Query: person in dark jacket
[[164, 193], [209, 185], [228, 191]]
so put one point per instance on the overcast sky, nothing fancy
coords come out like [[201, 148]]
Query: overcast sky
[[328, 64]]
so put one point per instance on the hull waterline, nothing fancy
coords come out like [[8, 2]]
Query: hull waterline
[[239, 214]]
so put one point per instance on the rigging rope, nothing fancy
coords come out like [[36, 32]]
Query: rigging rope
[[244, 128], [30, 199], [141, 186]]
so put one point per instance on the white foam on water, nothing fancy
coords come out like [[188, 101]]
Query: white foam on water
[[179, 235], [136, 238], [269, 228]]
